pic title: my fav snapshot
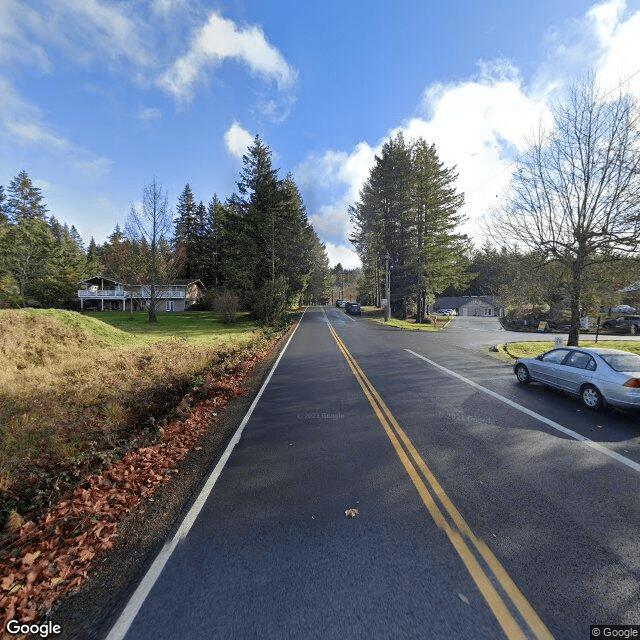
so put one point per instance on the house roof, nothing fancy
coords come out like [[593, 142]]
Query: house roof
[[99, 279], [173, 283]]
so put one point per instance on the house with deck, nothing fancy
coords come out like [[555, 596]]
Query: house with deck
[[106, 294]]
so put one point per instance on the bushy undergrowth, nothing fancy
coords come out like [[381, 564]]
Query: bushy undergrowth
[[71, 402]]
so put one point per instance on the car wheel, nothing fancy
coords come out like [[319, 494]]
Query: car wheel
[[522, 373], [591, 397]]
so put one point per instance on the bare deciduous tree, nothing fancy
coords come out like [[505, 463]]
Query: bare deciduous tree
[[151, 222], [575, 196]]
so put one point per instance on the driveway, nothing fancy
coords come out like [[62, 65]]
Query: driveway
[[478, 332]]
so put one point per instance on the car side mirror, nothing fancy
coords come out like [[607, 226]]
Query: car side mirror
[[539, 357]]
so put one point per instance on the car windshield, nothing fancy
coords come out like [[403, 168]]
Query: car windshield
[[622, 362]]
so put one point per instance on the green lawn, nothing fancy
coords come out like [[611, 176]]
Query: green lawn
[[532, 349], [377, 315], [196, 327]]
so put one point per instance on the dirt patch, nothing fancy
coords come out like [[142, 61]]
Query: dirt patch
[[90, 610]]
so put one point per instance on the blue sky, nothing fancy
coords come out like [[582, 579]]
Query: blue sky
[[97, 97]]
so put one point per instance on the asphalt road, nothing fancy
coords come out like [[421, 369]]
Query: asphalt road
[[480, 515]]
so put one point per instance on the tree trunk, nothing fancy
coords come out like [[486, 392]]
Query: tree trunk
[[422, 306], [576, 289], [152, 304]]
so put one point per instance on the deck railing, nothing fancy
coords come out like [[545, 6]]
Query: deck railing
[[103, 293], [161, 294]]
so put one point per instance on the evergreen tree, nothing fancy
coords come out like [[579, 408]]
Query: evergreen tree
[[251, 223], [438, 259], [267, 240], [24, 199], [67, 265], [318, 287], [407, 217], [382, 219], [27, 248], [94, 259], [3, 205], [76, 237], [185, 231], [213, 245]]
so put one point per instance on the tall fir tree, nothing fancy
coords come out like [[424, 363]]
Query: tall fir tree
[[251, 222], [267, 238], [24, 199], [185, 232], [438, 256], [407, 218]]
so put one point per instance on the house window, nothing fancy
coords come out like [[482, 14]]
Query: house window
[[488, 311], [169, 305]]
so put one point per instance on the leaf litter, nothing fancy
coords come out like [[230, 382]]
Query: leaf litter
[[42, 561]]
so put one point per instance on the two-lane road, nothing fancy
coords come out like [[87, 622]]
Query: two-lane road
[[477, 518]]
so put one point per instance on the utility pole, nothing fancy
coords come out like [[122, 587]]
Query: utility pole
[[387, 313]]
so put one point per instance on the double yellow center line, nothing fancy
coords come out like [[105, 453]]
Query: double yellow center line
[[511, 609]]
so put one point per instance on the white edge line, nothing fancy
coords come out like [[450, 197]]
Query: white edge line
[[121, 627], [554, 425]]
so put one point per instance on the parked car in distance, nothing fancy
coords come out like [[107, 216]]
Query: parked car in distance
[[598, 376], [630, 323], [341, 303], [354, 309], [447, 312], [623, 308]]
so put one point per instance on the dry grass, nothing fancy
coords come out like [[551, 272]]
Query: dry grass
[[76, 393]]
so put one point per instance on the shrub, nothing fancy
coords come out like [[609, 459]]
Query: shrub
[[227, 303], [270, 304]]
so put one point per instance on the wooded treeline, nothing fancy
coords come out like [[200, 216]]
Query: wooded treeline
[[258, 244], [526, 282]]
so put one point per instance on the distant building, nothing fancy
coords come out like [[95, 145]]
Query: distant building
[[105, 294], [470, 305]]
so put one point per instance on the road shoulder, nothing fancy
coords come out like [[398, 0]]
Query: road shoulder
[[89, 612]]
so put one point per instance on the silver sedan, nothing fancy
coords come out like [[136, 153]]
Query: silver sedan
[[597, 376]]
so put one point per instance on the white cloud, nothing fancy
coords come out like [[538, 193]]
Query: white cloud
[[84, 30], [605, 18], [96, 27], [221, 39], [166, 7], [237, 140], [21, 124], [18, 24], [33, 133], [92, 167], [345, 256], [620, 47], [149, 114], [480, 125], [338, 176]]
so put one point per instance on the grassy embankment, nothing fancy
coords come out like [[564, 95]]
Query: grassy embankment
[[77, 391]]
